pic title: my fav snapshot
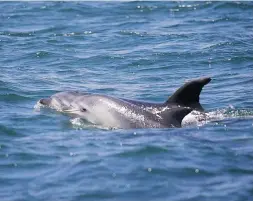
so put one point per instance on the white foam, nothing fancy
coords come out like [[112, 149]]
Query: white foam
[[38, 106], [200, 118], [80, 124]]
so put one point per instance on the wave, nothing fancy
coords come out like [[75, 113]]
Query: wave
[[12, 97]]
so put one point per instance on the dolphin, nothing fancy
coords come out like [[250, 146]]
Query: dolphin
[[111, 112]]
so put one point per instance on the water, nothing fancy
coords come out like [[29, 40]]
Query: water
[[136, 50]]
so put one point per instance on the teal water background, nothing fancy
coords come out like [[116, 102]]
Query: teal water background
[[136, 50]]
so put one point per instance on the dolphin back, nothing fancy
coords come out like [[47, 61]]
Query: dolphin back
[[188, 94]]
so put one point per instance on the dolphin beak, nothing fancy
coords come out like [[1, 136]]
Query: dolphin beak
[[45, 101]]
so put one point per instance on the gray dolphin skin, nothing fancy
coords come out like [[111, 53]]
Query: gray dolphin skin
[[123, 113]]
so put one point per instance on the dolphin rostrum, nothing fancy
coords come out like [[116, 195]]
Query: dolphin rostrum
[[123, 113]]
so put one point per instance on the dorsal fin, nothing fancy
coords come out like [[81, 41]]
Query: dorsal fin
[[188, 94], [173, 116]]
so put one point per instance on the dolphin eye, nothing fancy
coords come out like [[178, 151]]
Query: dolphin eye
[[83, 110]]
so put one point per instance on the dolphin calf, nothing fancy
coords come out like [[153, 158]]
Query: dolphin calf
[[123, 113]]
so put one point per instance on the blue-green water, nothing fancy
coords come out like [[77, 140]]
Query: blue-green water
[[136, 50]]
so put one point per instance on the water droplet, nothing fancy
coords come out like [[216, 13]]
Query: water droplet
[[72, 154], [231, 106]]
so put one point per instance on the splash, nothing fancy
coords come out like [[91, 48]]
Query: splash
[[37, 107], [81, 124], [200, 119]]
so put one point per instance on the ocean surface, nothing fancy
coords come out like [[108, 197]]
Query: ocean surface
[[136, 50]]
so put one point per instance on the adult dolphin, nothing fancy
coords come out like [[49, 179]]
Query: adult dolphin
[[114, 112]]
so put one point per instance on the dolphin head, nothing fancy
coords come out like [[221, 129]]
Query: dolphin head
[[60, 101], [82, 107], [94, 109]]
